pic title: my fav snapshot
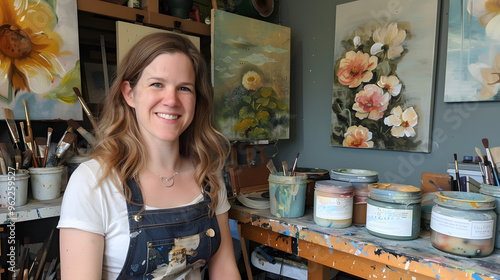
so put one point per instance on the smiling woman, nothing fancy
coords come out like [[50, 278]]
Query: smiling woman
[[156, 174]]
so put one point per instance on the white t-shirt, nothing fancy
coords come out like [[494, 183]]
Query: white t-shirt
[[103, 210]]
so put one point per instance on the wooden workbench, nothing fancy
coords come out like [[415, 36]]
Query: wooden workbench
[[355, 251]]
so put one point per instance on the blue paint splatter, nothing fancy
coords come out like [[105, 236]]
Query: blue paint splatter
[[286, 232], [327, 238], [134, 267], [359, 250], [38, 214], [477, 277]]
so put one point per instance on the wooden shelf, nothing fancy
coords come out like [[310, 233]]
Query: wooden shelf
[[189, 26], [110, 9], [149, 12], [33, 210]]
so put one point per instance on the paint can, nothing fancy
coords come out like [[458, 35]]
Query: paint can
[[463, 223], [360, 179], [333, 204], [393, 211], [287, 195], [14, 188], [313, 175], [359, 205], [494, 191], [46, 182]]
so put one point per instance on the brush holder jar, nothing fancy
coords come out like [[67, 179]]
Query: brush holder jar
[[46, 182]]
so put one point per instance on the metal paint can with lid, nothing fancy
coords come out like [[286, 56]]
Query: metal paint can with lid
[[495, 192], [463, 223], [333, 204], [393, 211], [360, 180]]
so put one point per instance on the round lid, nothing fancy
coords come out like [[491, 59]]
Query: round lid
[[397, 193], [313, 173], [465, 200], [354, 175], [333, 186]]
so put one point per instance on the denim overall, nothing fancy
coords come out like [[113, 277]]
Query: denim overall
[[168, 243]]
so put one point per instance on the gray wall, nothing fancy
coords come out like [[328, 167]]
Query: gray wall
[[457, 127]]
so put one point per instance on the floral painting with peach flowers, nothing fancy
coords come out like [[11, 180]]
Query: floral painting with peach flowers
[[39, 59], [473, 52], [383, 87], [251, 77]]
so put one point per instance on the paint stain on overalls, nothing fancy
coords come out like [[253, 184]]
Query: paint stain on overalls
[[168, 243]]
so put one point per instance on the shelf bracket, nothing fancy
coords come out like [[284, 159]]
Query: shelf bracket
[[139, 19], [177, 25]]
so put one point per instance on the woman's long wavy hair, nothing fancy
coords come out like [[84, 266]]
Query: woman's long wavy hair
[[121, 149]]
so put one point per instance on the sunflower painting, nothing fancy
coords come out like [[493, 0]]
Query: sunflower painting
[[39, 58], [384, 74], [251, 77]]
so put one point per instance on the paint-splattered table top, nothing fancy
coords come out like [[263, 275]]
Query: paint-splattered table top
[[33, 210], [415, 259]]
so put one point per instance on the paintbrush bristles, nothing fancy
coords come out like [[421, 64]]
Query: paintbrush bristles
[[486, 143]]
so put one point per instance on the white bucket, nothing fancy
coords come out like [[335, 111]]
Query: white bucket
[[46, 182], [14, 189]]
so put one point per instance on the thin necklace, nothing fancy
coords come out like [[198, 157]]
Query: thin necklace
[[165, 181]]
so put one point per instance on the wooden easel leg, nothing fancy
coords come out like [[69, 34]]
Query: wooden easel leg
[[245, 254], [316, 271]]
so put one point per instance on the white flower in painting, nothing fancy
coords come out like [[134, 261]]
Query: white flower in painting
[[391, 37], [488, 15], [402, 123], [391, 84], [356, 41], [488, 76]]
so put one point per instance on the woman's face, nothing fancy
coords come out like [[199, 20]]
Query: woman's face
[[164, 97]]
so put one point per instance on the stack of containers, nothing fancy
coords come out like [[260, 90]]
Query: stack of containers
[[359, 179], [393, 211]]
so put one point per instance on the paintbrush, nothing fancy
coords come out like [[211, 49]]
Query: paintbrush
[[83, 132], [457, 174], [85, 107], [29, 131], [47, 146], [44, 250], [486, 144], [295, 164], [11, 123], [4, 151], [64, 146], [41, 144], [28, 141], [3, 166], [285, 168], [271, 167]]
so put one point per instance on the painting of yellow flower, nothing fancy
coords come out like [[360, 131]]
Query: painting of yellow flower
[[251, 77], [39, 58], [383, 82]]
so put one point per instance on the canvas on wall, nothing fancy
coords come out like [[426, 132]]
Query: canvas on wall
[[39, 56], [251, 77], [383, 82], [473, 52]]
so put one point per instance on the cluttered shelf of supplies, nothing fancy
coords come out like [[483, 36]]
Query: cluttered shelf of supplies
[[357, 252], [148, 14]]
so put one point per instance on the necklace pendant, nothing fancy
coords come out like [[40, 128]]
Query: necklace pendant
[[164, 182]]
